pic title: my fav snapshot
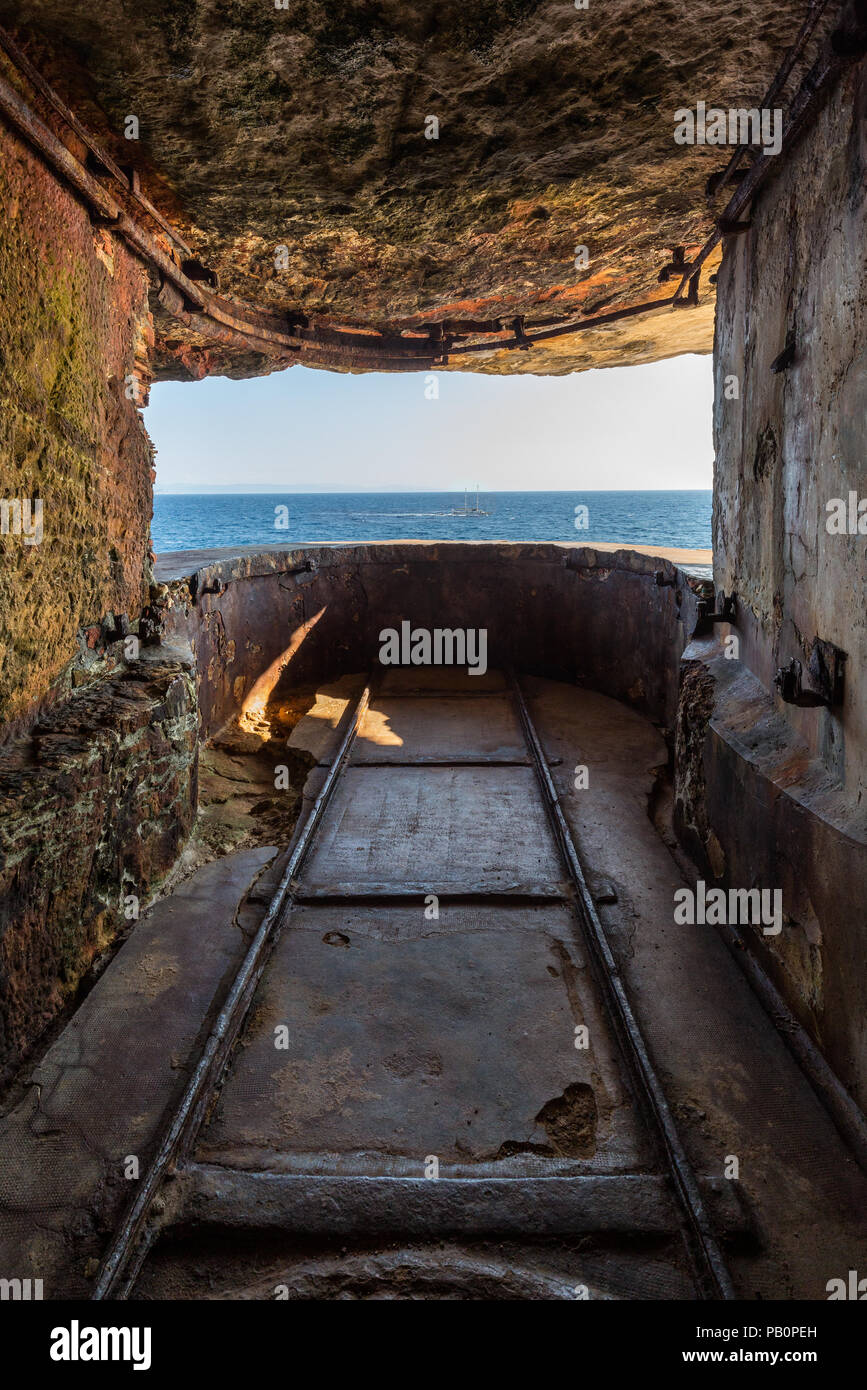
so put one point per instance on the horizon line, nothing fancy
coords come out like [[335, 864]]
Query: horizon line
[[229, 491]]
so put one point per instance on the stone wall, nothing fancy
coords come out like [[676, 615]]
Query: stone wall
[[98, 740], [74, 328], [795, 438], [769, 793], [95, 804]]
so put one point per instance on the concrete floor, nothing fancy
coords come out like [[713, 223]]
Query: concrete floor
[[383, 1036], [408, 1037], [735, 1087]]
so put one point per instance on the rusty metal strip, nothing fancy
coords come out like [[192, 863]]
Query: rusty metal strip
[[131, 1240], [598, 321], [237, 323], [20, 60], [55, 153], [815, 11], [803, 109], [713, 1279]]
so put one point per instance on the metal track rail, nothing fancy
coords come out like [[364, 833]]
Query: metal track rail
[[141, 1227], [712, 1277], [132, 1239]]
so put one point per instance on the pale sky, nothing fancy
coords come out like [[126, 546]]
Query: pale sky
[[303, 430]]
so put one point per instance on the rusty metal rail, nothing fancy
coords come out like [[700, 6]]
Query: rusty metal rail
[[712, 1277], [481, 1203], [133, 1237], [815, 11], [290, 338], [843, 47], [100, 157]]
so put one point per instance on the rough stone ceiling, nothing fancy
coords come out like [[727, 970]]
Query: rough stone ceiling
[[305, 127]]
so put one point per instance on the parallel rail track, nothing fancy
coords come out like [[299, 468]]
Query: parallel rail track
[[459, 1199]]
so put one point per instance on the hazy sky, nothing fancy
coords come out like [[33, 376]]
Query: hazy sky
[[314, 431]]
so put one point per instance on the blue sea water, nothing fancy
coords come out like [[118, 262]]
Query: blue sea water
[[194, 521]]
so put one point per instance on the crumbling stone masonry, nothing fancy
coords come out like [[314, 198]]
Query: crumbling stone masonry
[[95, 805]]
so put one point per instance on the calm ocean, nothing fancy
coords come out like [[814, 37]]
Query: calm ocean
[[201, 521]]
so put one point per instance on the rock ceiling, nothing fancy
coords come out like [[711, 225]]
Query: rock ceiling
[[304, 128]]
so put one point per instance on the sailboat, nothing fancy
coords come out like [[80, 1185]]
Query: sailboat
[[466, 509]]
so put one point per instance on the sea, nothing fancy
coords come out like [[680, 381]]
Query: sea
[[203, 521]]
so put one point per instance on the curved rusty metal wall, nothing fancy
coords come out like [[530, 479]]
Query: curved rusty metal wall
[[600, 618]]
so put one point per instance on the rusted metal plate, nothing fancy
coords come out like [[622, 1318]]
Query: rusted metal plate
[[381, 1033], [450, 730], [437, 825]]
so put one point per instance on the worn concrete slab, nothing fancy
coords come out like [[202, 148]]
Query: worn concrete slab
[[407, 1038], [484, 826], [97, 1098], [449, 730], [320, 728]]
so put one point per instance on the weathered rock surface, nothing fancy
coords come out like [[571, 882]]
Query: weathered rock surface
[[94, 806], [793, 441], [304, 127], [74, 326]]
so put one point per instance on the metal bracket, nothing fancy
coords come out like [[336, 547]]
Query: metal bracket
[[690, 300], [218, 586], [678, 265], [728, 227], [725, 612], [825, 671], [787, 356]]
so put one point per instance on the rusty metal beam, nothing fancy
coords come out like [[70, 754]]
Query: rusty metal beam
[[101, 157], [815, 10], [832, 61], [55, 153], [290, 337], [597, 321]]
